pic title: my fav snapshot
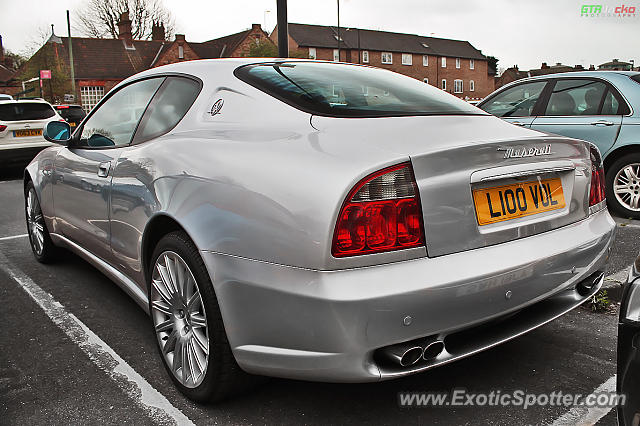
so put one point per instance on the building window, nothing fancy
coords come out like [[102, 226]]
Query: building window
[[472, 86], [387, 58], [257, 41], [444, 63], [457, 62], [90, 96], [180, 52], [312, 53], [365, 56], [472, 64], [426, 80], [336, 55], [444, 84], [407, 59], [457, 86], [425, 60]]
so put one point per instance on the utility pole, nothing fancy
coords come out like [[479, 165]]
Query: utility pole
[[338, 30], [283, 30], [73, 77]]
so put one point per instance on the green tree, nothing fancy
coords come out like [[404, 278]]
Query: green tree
[[493, 62], [49, 57]]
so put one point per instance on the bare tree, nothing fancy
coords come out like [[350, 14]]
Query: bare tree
[[99, 18]]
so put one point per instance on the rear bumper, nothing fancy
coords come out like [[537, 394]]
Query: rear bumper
[[326, 325]]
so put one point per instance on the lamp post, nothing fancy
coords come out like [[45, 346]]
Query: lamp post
[[283, 31]]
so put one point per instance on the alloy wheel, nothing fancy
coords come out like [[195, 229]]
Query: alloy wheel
[[626, 186], [35, 222], [179, 319]]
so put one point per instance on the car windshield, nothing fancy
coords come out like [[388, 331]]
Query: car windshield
[[340, 90], [17, 111]]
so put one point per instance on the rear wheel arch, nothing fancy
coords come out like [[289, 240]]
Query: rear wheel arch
[[618, 153], [159, 226]]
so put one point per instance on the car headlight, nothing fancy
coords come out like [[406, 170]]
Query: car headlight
[[633, 303]]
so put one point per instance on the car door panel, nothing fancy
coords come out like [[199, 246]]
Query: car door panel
[[81, 193], [600, 130]]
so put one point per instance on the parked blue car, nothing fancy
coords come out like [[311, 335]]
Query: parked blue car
[[602, 107]]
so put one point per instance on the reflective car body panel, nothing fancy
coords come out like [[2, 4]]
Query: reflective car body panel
[[629, 351], [257, 185]]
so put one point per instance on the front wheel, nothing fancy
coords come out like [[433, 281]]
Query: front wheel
[[623, 186], [187, 322], [39, 239]]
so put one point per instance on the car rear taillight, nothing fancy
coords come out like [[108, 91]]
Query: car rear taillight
[[596, 193], [381, 213], [2, 128]]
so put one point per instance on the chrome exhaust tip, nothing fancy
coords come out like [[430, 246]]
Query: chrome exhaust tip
[[404, 355], [432, 350]]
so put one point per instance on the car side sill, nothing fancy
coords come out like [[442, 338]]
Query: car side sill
[[124, 282]]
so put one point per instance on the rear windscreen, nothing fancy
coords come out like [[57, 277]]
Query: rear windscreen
[[71, 113], [636, 78], [341, 90], [25, 111]]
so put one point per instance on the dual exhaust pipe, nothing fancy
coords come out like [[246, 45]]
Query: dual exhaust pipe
[[408, 354]]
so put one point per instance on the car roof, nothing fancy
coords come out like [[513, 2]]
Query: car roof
[[22, 101]]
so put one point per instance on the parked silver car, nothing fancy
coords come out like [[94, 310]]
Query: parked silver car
[[320, 221], [602, 107]]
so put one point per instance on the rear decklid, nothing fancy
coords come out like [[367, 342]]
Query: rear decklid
[[482, 181]]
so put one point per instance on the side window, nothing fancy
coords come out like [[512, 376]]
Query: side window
[[576, 97], [611, 106], [169, 105], [114, 122], [517, 101]]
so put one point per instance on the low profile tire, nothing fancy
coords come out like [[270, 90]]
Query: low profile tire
[[39, 238], [188, 325], [623, 186]]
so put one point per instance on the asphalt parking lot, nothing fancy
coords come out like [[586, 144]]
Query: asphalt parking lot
[[50, 375]]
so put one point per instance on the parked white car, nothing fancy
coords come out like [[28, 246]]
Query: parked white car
[[21, 124]]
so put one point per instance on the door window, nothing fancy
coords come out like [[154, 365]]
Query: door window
[[611, 106], [576, 97], [169, 105], [517, 101], [114, 122]]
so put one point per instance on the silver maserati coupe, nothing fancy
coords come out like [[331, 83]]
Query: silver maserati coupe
[[317, 220]]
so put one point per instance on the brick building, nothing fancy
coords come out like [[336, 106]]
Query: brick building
[[100, 64], [452, 65]]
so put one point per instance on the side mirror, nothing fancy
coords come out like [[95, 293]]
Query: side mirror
[[57, 132]]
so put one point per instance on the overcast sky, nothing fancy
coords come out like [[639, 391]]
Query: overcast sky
[[520, 32]]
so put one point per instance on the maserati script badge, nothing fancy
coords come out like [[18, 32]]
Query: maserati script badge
[[524, 151]]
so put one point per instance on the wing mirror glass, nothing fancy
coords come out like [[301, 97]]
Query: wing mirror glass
[[57, 132]]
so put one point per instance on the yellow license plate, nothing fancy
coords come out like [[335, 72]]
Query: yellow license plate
[[27, 132], [508, 202], [72, 124]]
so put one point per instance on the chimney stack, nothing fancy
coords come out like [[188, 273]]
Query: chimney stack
[[256, 27], [124, 29], [157, 31], [544, 66]]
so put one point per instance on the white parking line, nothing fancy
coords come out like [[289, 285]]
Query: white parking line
[[13, 237], [583, 416], [155, 405]]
